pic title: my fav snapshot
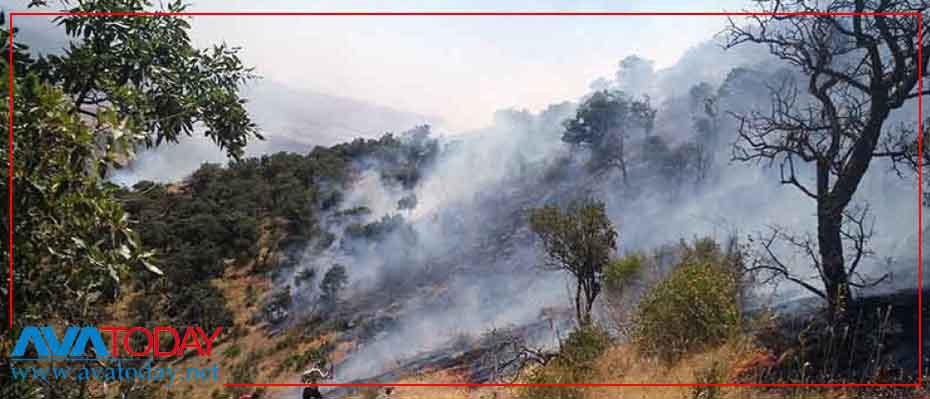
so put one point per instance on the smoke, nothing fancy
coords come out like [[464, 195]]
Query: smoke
[[293, 120], [464, 261]]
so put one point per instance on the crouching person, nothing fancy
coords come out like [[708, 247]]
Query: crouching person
[[312, 376]]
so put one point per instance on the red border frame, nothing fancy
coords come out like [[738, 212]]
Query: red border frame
[[531, 14]]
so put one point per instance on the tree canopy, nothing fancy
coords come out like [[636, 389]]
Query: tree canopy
[[147, 72], [603, 122], [122, 83], [579, 240]]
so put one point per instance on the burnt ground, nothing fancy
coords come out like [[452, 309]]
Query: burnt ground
[[879, 344], [493, 357]]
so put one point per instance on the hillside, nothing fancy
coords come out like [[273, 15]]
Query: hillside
[[274, 225], [744, 216], [442, 279]]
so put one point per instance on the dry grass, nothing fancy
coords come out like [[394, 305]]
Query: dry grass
[[734, 361], [235, 285], [621, 365], [441, 377]]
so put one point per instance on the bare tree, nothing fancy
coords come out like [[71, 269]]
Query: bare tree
[[858, 68]]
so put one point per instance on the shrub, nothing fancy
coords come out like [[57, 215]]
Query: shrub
[[353, 212], [305, 276], [232, 351], [623, 282], [584, 345], [551, 375], [715, 374], [695, 307], [317, 357], [621, 271], [245, 370], [573, 365], [377, 230]]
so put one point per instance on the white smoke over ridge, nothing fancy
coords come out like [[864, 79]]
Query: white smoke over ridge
[[480, 261], [284, 115]]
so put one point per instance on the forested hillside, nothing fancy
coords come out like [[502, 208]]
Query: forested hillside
[[749, 224], [246, 212]]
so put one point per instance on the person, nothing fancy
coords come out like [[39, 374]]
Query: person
[[312, 376], [386, 393]]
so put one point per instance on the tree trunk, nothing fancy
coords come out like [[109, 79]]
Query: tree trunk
[[831, 203], [835, 277], [626, 179], [830, 244], [578, 313]]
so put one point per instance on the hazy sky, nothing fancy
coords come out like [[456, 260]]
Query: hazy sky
[[460, 69]]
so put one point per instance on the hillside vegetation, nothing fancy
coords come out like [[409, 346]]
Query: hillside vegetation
[[622, 238]]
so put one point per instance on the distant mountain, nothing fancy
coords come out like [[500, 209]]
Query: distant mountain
[[291, 119], [309, 117]]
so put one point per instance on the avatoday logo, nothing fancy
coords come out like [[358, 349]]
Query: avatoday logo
[[76, 340]]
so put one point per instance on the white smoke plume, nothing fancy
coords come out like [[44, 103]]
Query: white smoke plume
[[473, 262]]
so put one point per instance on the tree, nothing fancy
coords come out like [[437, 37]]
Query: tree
[[407, 202], [578, 240], [657, 155], [62, 214], [706, 122], [635, 75], [856, 69], [603, 122], [146, 71], [704, 113], [122, 82], [333, 281], [73, 241]]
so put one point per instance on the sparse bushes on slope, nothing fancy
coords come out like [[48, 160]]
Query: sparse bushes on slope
[[695, 307], [573, 365], [379, 229]]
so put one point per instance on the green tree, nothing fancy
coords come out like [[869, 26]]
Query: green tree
[[68, 229], [604, 122], [578, 240], [146, 71], [73, 241], [122, 82]]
